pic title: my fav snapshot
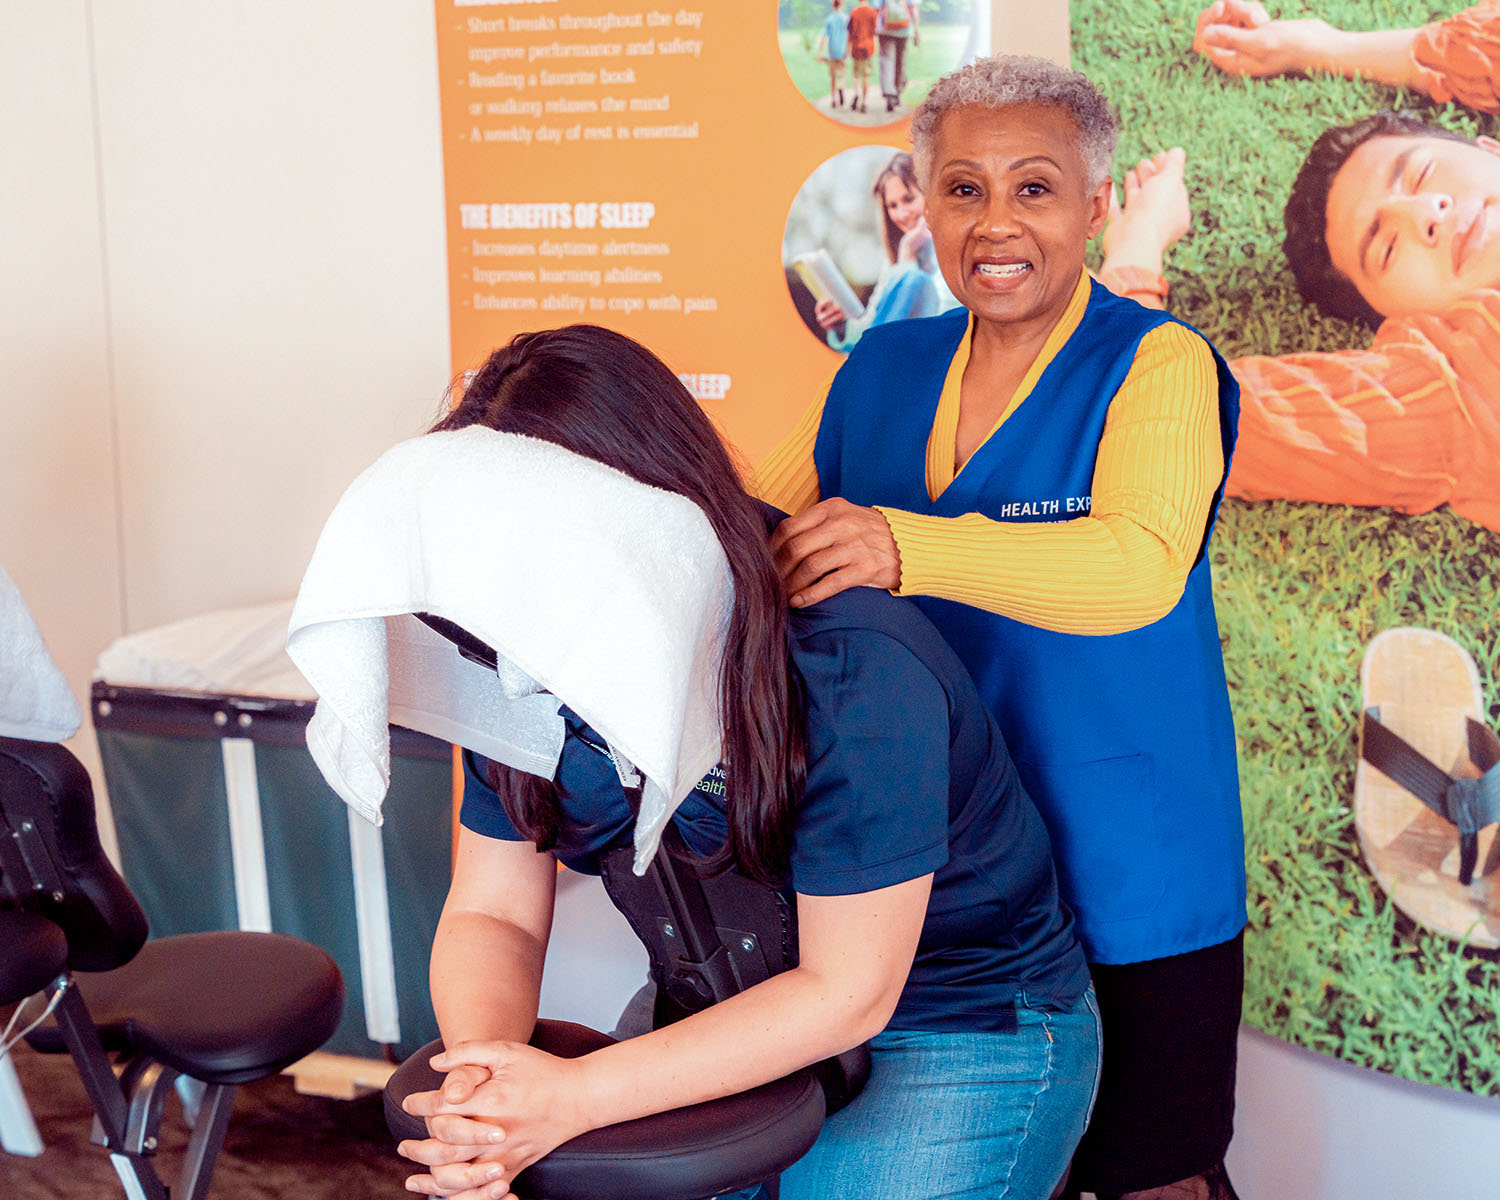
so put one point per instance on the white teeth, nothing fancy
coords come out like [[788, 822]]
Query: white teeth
[[1006, 271]]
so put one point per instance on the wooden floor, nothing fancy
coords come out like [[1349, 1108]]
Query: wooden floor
[[280, 1144]]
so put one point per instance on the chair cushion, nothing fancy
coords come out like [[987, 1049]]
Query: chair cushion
[[684, 1154], [223, 1007], [33, 952]]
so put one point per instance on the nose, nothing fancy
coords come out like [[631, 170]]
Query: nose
[[1000, 218], [1420, 214]]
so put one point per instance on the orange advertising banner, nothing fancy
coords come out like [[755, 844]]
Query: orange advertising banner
[[634, 165]]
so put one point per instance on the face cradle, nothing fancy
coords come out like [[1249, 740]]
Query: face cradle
[[1414, 222], [903, 204], [1011, 212]]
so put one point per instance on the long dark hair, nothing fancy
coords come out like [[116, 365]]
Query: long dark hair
[[600, 394]]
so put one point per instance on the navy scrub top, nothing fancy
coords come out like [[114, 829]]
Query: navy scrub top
[[907, 775]]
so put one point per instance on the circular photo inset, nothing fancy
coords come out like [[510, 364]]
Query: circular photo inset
[[856, 249], [871, 62]]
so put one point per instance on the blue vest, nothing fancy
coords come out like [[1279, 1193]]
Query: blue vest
[[1125, 742]]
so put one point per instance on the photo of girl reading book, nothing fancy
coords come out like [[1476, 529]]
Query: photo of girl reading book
[[852, 264]]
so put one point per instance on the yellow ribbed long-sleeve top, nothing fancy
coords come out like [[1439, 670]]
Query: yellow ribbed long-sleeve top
[[1124, 565]]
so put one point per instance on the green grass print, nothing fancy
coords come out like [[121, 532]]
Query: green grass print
[[1302, 588], [942, 46]]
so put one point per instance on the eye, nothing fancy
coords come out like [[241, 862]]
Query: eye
[[1388, 253], [1034, 188], [962, 188], [1422, 176]]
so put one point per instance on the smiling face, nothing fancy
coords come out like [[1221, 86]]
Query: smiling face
[[904, 205], [1414, 222], [1011, 212]]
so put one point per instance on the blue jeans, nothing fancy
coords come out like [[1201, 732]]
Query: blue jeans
[[960, 1116]]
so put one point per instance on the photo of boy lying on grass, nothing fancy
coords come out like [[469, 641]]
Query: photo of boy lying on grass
[[1348, 265], [1392, 222]]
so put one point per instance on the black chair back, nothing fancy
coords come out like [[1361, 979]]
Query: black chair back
[[33, 952], [51, 862], [711, 936]]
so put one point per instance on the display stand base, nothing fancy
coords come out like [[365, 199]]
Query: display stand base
[[339, 1076]]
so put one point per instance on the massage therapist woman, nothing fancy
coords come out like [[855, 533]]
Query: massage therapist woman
[[1040, 469]]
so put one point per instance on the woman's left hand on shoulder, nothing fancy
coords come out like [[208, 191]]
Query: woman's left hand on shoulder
[[832, 546], [532, 1100]]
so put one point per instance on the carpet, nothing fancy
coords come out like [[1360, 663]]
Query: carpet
[[279, 1144]]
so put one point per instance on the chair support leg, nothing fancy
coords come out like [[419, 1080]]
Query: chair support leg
[[138, 1178], [208, 1137], [190, 1092], [146, 1083], [128, 1102], [94, 1068]]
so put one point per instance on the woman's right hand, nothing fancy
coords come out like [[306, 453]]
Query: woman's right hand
[[832, 546], [829, 315]]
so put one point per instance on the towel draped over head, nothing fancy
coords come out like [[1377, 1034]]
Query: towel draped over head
[[596, 591]]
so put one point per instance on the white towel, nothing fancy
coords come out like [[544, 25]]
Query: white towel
[[35, 702], [612, 596]]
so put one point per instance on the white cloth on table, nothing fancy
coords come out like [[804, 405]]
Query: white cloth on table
[[596, 591], [240, 651]]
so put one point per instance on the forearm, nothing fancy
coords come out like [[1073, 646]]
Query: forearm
[[856, 951], [777, 1027], [1090, 575], [1382, 55], [1111, 561], [485, 977]]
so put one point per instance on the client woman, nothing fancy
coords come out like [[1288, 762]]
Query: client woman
[[861, 771]]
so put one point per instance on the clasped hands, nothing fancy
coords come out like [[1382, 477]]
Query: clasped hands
[[502, 1107]]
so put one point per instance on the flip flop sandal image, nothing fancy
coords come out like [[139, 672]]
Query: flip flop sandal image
[[1427, 788]]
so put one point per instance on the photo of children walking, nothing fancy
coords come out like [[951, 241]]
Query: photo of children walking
[[871, 62]]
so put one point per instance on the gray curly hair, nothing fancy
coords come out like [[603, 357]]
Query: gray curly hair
[[1009, 79]]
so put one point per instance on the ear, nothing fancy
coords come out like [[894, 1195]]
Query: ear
[[1099, 206]]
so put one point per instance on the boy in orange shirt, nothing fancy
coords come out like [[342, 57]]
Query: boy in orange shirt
[[1392, 222], [861, 50]]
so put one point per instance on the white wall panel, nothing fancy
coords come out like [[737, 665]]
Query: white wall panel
[[57, 483], [272, 180]]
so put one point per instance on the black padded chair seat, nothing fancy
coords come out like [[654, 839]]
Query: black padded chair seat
[[684, 1154], [223, 1007], [33, 952]]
